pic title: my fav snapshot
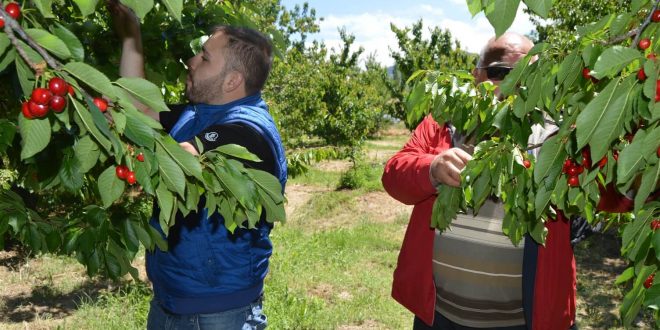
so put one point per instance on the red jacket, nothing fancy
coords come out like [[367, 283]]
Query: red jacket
[[549, 282]]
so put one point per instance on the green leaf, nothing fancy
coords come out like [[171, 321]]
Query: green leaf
[[4, 43], [138, 131], [35, 135], [25, 76], [632, 302], [7, 59], [513, 78], [145, 92], [474, 6], [594, 114], [140, 7], [87, 152], [610, 122], [569, 70], [110, 186], [550, 160], [45, 7], [636, 5], [613, 60], [88, 123], [174, 7], [170, 172], [70, 174], [651, 78], [502, 15], [237, 151], [539, 7], [92, 77], [649, 182], [268, 183], [166, 204], [50, 43], [446, 206], [70, 40], [86, 6], [625, 276], [142, 234], [185, 160], [630, 160]]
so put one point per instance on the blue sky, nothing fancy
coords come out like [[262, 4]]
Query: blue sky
[[370, 22]]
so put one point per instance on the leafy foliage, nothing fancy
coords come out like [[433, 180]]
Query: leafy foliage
[[68, 195], [607, 122]]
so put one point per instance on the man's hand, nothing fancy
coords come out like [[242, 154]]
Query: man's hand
[[187, 146], [126, 23], [447, 166]]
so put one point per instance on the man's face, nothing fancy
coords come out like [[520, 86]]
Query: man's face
[[496, 71], [207, 71]]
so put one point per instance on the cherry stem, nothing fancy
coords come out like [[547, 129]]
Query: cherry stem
[[12, 26]]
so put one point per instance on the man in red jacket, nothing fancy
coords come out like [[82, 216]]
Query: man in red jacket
[[472, 276]]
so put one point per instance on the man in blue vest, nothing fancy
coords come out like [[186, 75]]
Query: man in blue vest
[[210, 278]]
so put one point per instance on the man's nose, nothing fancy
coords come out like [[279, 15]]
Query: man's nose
[[191, 63]]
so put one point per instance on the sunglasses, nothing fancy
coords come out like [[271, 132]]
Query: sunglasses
[[496, 72]]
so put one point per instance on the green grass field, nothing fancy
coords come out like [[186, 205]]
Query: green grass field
[[331, 267]]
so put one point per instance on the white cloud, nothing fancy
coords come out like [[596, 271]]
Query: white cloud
[[372, 29]]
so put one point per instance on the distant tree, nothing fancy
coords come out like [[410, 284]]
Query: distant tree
[[439, 52], [560, 27]]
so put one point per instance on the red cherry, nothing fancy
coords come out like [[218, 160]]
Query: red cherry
[[121, 171], [57, 103], [57, 86], [641, 75], [41, 95], [585, 73], [130, 178], [657, 96], [101, 104], [651, 56], [649, 281], [658, 152], [2, 23], [27, 114], [71, 91], [644, 43], [602, 162], [573, 171], [656, 15], [615, 155], [14, 10], [573, 181], [567, 165], [38, 110], [140, 157], [527, 163], [655, 224]]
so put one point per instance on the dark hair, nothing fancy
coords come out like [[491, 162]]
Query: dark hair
[[248, 52]]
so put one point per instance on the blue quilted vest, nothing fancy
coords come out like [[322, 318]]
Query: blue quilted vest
[[207, 269]]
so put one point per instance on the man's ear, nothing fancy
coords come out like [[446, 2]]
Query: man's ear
[[233, 80]]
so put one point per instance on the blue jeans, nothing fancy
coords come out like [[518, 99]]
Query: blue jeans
[[250, 317]]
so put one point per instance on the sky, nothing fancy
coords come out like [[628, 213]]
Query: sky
[[369, 21]]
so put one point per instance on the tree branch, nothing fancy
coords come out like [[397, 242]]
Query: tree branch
[[12, 26], [647, 21]]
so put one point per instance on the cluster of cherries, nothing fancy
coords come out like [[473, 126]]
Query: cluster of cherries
[[53, 98], [124, 173], [572, 169], [44, 99], [14, 10]]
